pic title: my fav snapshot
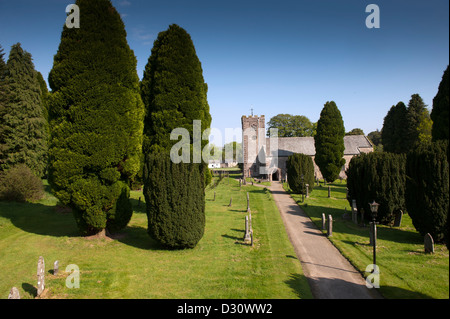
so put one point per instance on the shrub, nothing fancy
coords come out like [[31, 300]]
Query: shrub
[[379, 177], [427, 188], [175, 199], [298, 165], [20, 184]]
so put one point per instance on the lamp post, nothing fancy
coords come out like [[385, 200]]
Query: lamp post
[[374, 210]]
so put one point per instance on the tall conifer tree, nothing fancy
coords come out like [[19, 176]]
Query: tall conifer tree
[[394, 129], [175, 94], [24, 133], [329, 142], [96, 116], [441, 107]]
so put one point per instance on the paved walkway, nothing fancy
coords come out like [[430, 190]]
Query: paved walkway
[[330, 275]]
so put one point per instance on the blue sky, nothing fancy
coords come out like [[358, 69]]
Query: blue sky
[[281, 56]]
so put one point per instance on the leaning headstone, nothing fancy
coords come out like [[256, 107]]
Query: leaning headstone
[[248, 203], [55, 267], [429, 244], [330, 226], [398, 219], [40, 276], [324, 222], [231, 200], [14, 293]]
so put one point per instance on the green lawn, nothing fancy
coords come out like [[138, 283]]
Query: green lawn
[[134, 266], [405, 270]]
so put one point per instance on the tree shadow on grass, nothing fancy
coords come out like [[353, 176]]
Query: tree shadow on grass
[[299, 284], [40, 219]]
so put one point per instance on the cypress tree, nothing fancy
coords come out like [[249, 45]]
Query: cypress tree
[[427, 188], [418, 123], [96, 116], [175, 201], [175, 94], [24, 134], [378, 176], [441, 107], [329, 142], [173, 89], [393, 132], [299, 165], [3, 101]]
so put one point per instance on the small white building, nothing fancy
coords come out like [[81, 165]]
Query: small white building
[[213, 164]]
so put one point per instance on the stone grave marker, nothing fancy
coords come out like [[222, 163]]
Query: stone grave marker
[[329, 191], [354, 212], [324, 222], [429, 244], [248, 203], [307, 190], [398, 219], [14, 293], [247, 236], [55, 267], [330, 226], [231, 201], [40, 276]]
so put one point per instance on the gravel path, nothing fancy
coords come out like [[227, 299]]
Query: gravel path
[[330, 275]]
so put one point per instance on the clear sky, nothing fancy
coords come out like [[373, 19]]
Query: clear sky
[[278, 56]]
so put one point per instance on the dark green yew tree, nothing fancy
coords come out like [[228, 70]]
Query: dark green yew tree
[[329, 142], [175, 94], [96, 118], [24, 135], [175, 201], [441, 107], [394, 129], [379, 177], [427, 188], [298, 166]]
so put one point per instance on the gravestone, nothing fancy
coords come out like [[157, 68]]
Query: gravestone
[[330, 226], [250, 221], [231, 200], [398, 219], [307, 190], [214, 196], [248, 203], [40, 276], [429, 244], [55, 267], [354, 212], [14, 293], [324, 222], [247, 236], [329, 191]]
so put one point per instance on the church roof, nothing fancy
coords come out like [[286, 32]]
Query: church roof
[[305, 145]]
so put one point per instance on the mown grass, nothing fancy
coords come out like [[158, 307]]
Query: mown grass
[[406, 272], [132, 265]]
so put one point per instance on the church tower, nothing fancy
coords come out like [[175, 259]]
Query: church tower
[[253, 144]]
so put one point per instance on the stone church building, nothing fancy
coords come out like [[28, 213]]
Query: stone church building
[[265, 157]]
